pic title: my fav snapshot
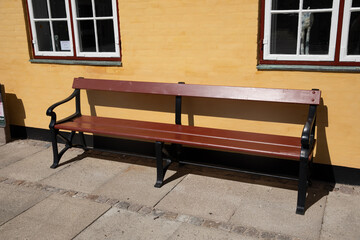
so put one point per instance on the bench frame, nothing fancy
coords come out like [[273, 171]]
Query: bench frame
[[163, 156]]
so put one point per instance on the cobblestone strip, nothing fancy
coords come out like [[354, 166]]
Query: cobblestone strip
[[153, 212]]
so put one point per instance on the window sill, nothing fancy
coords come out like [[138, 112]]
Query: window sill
[[77, 62], [309, 68]]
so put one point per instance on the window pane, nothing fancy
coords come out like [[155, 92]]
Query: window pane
[[43, 36], [317, 4], [105, 31], [283, 33], [356, 3], [315, 33], [40, 9], [61, 36], [354, 34], [87, 36], [103, 8], [285, 4], [84, 8], [57, 8]]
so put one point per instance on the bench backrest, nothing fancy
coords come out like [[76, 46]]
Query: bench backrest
[[208, 91]]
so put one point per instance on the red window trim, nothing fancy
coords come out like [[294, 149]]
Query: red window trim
[[115, 59], [336, 61]]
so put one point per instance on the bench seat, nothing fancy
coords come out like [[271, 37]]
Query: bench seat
[[245, 142]]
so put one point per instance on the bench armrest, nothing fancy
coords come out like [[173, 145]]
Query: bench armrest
[[308, 134], [50, 111]]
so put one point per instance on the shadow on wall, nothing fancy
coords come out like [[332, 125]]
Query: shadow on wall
[[130, 101], [4, 117], [269, 112], [322, 154], [322, 151], [222, 108], [16, 115]]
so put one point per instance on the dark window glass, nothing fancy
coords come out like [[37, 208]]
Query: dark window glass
[[40, 9], [43, 36], [84, 8], [103, 8], [356, 3], [57, 8], [317, 4], [285, 4], [284, 33], [354, 34], [319, 34], [61, 36], [87, 36], [105, 31]]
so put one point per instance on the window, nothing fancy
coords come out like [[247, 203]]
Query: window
[[350, 49], [74, 29], [315, 32]]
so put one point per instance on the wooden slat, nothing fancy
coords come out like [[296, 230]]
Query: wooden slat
[[209, 91], [191, 130], [249, 143]]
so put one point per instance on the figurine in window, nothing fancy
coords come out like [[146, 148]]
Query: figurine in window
[[306, 23], [57, 45]]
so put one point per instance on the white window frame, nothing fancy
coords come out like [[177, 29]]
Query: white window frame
[[298, 57], [72, 24], [94, 18], [344, 57], [50, 20]]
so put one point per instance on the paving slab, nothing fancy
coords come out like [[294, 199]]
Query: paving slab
[[206, 197], [189, 231], [342, 217], [86, 175], [16, 199], [36, 167], [136, 185], [122, 224], [56, 217], [20, 149], [273, 209]]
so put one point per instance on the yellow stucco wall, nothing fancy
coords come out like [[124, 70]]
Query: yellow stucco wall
[[205, 42]]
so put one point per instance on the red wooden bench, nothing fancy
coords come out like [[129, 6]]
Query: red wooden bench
[[284, 147]]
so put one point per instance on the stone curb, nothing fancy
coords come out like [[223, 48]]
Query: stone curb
[[153, 212]]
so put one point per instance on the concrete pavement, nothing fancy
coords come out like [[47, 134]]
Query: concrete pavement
[[98, 195]]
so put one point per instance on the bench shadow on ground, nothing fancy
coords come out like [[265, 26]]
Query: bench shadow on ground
[[315, 193], [227, 109]]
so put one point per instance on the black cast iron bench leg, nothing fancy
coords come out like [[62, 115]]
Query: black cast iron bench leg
[[160, 168], [56, 158], [82, 141], [56, 154], [302, 185]]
